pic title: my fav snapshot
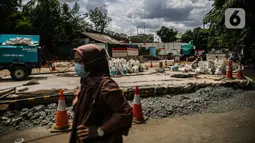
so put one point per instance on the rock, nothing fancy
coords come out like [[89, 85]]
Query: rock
[[16, 121], [4, 118], [7, 122], [39, 108], [154, 107], [9, 114]]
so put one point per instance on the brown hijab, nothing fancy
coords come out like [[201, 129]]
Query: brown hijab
[[94, 59], [111, 110]]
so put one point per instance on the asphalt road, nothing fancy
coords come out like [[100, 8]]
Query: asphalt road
[[226, 121]]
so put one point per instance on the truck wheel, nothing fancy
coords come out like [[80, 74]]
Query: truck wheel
[[29, 72], [19, 73]]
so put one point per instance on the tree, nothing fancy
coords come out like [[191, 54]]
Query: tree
[[18, 23], [99, 19], [228, 37], [142, 38], [167, 34], [199, 36], [9, 9], [55, 22], [187, 36]]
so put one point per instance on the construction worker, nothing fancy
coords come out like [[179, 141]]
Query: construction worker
[[204, 56], [102, 113]]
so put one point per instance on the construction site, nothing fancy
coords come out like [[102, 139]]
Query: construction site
[[167, 89], [150, 71]]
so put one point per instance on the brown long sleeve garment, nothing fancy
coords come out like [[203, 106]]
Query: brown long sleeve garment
[[111, 111]]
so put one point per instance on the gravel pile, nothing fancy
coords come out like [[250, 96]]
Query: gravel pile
[[39, 115], [154, 107], [160, 107]]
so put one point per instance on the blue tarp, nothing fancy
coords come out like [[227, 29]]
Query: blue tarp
[[153, 51]]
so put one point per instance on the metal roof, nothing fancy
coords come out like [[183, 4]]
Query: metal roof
[[101, 38]]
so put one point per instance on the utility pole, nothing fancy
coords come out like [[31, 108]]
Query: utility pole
[[144, 27], [203, 22], [137, 30]]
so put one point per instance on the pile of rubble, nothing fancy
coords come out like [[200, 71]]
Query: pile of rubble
[[121, 66], [39, 115], [217, 67], [19, 41], [160, 107], [64, 64], [154, 107]]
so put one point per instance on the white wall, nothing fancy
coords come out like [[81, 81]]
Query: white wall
[[171, 47]]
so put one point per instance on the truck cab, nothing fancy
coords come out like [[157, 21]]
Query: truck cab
[[188, 51], [19, 54]]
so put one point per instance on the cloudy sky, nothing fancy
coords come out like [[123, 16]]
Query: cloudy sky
[[128, 14]]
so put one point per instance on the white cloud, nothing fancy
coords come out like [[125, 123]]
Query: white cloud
[[128, 14]]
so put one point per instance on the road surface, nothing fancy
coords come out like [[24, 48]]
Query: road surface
[[230, 127]]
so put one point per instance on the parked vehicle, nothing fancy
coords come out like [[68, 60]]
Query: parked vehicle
[[19, 54], [187, 51]]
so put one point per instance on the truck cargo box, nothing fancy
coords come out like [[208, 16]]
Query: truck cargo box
[[18, 53]]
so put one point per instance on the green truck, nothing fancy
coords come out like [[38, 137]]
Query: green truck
[[188, 51]]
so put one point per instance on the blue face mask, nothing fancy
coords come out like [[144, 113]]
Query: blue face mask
[[80, 71]]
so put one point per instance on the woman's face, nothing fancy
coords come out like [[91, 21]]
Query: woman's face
[[77, 58]]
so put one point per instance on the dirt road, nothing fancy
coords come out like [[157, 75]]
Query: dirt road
[[230, 127]]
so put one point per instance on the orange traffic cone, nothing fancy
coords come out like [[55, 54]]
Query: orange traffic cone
[[229, 73], [151, 66], [53, 68], [239, 74], [62, 123], [137, 108]]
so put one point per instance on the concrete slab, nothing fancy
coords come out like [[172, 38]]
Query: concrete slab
[[148, 79]]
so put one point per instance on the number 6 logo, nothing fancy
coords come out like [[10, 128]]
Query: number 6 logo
[[235, 18]]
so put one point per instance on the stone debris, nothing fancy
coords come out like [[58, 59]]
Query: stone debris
[[20, 41], [166, 106], [40, 115], [154, 107]]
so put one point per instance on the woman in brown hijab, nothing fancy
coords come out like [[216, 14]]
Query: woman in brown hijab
[[102, 113]]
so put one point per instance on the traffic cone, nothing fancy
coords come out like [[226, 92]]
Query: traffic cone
[[229, 73], [151, 66], [239, 74], [137, 108], [53, 68], [62, 122]]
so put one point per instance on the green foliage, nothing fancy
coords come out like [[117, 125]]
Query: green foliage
[[56, 23], [142, 38], [220, 36], [199, 36], [99, 19], [7, 8], [187, 36], [167, 34]]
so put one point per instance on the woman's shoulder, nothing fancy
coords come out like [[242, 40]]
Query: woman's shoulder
[[109, 85]]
